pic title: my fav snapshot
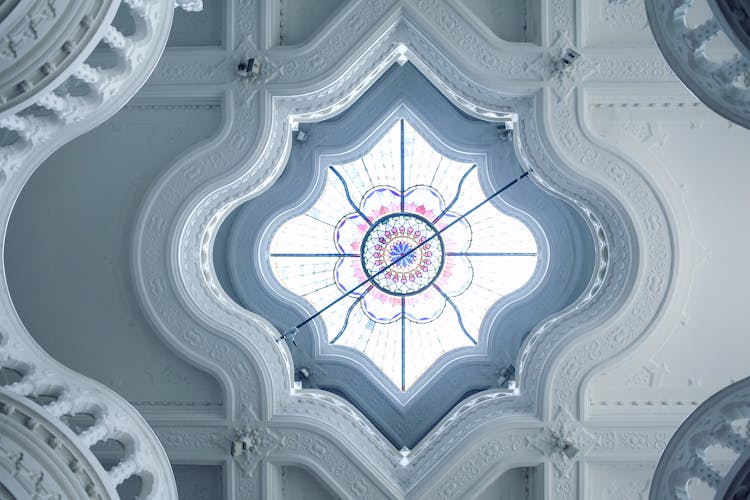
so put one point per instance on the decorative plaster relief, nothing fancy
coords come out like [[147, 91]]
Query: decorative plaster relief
[[567, 78], [181, 441], [253, 443], [496, 56], [136, 141], [330, 458], [42, 43], [324, 93], [620, 483], [628, 14], [650, 375], [685, 340], [632, 440], [39, 20], [716, 77], [563, 441]]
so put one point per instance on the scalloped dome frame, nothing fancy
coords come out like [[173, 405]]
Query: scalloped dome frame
[[405, 417], [188, 306]]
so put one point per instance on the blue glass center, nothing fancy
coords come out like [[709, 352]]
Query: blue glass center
[[400, 254]]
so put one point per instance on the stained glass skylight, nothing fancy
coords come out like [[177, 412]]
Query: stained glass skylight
[[389, 233]]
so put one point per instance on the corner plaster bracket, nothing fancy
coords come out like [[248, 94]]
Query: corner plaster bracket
[[564, 441], [252, 443], [566, 78]]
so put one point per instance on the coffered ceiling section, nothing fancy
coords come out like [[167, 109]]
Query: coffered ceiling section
[[509, 20], [300, 20]]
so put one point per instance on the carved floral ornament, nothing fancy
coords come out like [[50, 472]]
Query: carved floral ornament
[[248, 168]]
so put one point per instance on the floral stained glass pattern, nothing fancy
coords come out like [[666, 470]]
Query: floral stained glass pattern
[[394, 231]]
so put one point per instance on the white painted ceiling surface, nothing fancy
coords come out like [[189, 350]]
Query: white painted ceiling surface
[[69, 261]]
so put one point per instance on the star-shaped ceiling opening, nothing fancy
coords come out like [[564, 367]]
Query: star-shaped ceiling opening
[[403, 235]]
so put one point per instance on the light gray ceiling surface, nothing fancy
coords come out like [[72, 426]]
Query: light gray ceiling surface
[[68, 252]]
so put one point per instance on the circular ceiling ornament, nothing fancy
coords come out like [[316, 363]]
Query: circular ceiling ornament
[[402, 254]]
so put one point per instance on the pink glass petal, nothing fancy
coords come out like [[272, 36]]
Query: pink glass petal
[[380, 201], [425, 306], [349, 233], [424, 201], [348, 274], [456, 276], [381, 307]]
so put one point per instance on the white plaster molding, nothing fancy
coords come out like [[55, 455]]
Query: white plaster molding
[[189, 5], [43, 43], [563, 441], [37, 138], [627, 490], [720, 84], [629, 14], [191, 311], [41, 458], [721, 421]]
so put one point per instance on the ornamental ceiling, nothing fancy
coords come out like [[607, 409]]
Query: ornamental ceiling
[[110, 250]]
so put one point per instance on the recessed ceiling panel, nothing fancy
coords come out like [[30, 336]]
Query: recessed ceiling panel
[[198, 29], [510, 20], [300, 20]]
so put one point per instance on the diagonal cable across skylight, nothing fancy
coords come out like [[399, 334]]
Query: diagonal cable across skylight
[[398, 210]]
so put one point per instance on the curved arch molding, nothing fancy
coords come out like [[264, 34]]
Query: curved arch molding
[[565, 267], [491, 431]]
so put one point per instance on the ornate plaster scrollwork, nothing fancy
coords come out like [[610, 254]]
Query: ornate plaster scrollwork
[[563, 441], [253, 443], [568, 75]]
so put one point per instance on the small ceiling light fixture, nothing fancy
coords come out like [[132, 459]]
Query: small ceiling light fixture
[[249, 68], [505, 130], [566, 61], [244, 444]]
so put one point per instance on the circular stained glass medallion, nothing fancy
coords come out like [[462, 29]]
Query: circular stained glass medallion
[[399, 242]]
